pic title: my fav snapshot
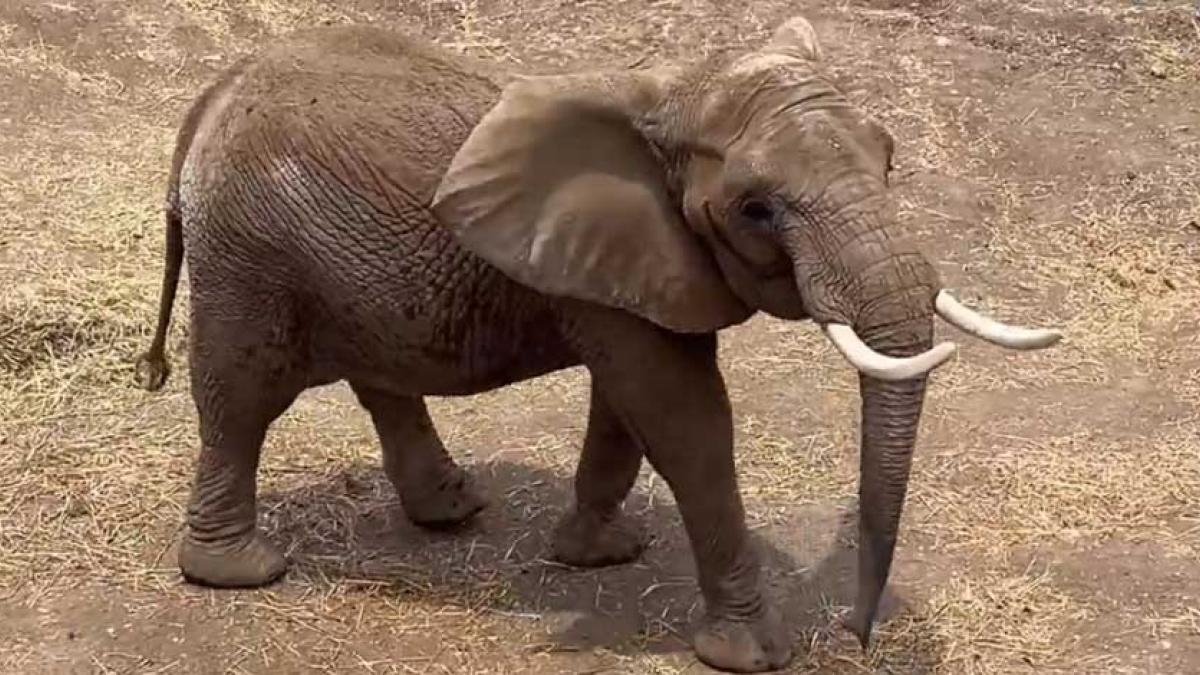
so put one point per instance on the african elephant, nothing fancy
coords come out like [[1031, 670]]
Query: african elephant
[[360, 205]]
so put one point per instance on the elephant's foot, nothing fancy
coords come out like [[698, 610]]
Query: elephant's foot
[[744, 646], [447, 502], [250, 562], [586, 539]]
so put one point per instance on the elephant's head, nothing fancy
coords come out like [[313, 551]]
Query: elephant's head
[[696, 196]]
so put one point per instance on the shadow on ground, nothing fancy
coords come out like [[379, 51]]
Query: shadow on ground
[[348, 530]]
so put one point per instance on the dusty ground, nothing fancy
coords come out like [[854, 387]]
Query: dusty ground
[[1050, 158]]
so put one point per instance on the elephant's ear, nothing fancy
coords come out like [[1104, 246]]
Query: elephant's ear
[[796, 37], [558, 188]]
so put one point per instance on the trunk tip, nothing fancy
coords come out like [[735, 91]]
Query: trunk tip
[[861, 624]]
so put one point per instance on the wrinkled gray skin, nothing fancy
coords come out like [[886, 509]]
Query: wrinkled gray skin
[[358, 205]]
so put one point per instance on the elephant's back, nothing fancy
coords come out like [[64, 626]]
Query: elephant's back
[[332, 135], [363, 104]]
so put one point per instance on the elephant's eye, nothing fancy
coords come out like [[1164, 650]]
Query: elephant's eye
[[757, 211]]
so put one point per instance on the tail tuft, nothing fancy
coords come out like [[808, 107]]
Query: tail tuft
[[152, 370]]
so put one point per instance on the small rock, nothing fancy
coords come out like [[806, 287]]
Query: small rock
[[942, 41]]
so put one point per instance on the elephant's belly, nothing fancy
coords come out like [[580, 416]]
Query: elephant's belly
[[433, 374], [466, 341]]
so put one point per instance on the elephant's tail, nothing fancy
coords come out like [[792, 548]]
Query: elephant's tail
[[153, 367]]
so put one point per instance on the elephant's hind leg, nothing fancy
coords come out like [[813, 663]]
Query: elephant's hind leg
[[243, 378], [436, 492], [597, 532]]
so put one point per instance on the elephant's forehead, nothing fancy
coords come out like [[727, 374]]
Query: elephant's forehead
[[776, 68], [779, 79]]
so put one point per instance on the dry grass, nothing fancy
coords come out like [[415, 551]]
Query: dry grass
[[1068, 489], [54, 62], [1023, 457]]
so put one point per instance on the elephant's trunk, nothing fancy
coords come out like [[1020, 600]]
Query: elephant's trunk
[[875, 300], [900, 328], [891, 412], [895, 320]]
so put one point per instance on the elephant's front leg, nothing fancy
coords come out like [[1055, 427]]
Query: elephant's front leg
[[596, 532], [668, 391]]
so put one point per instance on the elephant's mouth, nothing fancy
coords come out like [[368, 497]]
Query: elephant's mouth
[[870, 362]]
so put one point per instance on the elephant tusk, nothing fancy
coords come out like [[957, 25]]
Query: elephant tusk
[[872, 363], [974, 323]]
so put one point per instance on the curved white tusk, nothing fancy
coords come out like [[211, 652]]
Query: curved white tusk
[[969, 321], [870, 362]]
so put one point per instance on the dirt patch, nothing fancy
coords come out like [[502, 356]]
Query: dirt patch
[[1145, 617]]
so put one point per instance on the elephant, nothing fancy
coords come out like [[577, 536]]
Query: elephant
[[360, 205]]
